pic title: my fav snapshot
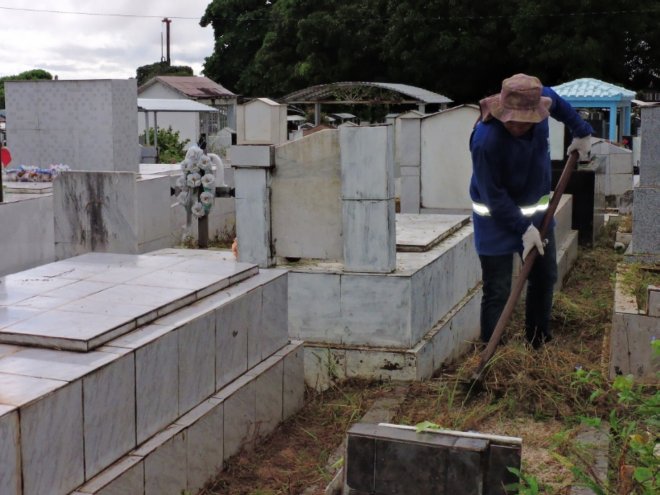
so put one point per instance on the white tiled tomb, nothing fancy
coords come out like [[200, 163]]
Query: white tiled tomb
[[161, 407]]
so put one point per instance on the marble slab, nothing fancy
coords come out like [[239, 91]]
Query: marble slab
[[54, 365], [17, 390], [52, 442], [417, 233], [84, 302], [10, 463]]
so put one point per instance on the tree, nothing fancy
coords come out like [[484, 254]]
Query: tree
[[460, 48], [170, 146], [146, 72], [35, 74], [240, 27]]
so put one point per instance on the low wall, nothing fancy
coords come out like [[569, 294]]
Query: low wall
[[27, 233]]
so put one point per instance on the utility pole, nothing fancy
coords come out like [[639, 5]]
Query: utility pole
[[167, 37]]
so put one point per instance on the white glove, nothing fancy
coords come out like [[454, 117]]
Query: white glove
[[582, 146], [531, 238]]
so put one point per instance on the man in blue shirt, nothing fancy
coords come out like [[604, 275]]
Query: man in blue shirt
[[510, 191]]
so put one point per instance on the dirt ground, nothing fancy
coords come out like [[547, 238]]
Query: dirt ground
[[527, 394]]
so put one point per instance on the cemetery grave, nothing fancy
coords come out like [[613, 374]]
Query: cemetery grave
[[536, 396], [114, 348]]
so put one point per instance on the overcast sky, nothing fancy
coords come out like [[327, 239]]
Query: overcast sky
[[77, 46]]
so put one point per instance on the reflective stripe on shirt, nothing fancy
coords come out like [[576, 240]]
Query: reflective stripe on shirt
[[528, 211]]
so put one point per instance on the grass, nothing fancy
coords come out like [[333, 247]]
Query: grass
[[542, 396]]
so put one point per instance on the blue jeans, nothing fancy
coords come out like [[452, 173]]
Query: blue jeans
[[496, 276]]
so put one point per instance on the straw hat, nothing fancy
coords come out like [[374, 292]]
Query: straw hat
[[520, 100]]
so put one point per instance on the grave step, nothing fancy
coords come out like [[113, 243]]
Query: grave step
[[190, 451], [446, 341]]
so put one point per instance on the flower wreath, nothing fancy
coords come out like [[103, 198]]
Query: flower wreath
[[197, 183]]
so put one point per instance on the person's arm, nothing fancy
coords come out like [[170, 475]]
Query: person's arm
[[581, 130], [493, 194]]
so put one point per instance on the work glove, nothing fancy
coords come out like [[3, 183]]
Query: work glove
[[531, 238], [582, 146]]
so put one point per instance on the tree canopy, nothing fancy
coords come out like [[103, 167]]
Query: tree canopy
[[460, 48], [146, 72], [23, 76]]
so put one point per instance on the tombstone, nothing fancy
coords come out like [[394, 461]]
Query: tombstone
[[446, 162], [390, 459], [306, 212], [261, 121], [408, 159], [614, 173], [367, 189], [88, 125], [646, 202]]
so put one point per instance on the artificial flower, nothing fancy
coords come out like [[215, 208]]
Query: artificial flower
[[206, 198], [194, 153], [208, 180], [194, 180], [198, 210]]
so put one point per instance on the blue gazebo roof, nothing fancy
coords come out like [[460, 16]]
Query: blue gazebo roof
[[592, 89], [593, 93]]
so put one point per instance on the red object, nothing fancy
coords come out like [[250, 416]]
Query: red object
[[5, 156]]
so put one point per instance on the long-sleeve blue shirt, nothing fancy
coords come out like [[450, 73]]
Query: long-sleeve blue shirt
[[509, 173]]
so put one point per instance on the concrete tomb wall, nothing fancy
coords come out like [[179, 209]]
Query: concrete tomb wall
[[110, 212], [27, 237]]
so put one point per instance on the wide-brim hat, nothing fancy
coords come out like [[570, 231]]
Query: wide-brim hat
[[520, 100]]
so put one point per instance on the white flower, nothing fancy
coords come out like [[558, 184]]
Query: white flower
[[206, 198], [205, 163], [182, 198], [208, 180], [194, 153], [181, 181], [198, 210], [185, 164], [194, 169], [194, 180]]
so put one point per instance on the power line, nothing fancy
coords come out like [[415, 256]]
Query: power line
[[97, 14], [261, 17]]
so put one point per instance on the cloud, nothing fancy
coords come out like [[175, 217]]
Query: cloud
[[89, 46]]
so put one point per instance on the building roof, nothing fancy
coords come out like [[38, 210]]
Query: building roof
[[267, 101], [364, 92], [171, 105], [196, 87], [593, 88]]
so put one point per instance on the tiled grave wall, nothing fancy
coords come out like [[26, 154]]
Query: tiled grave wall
[[88, 125]]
